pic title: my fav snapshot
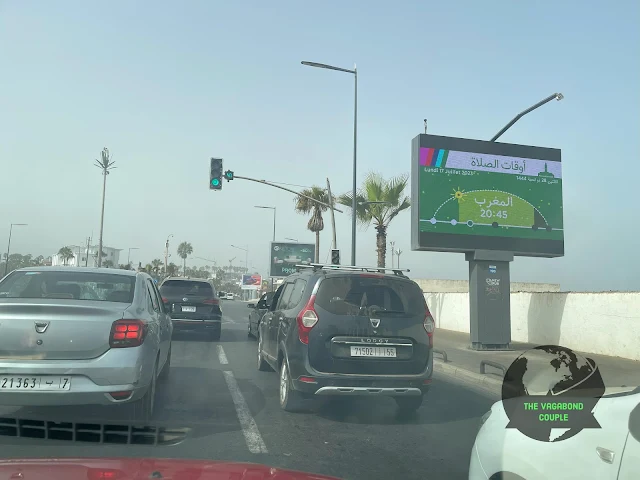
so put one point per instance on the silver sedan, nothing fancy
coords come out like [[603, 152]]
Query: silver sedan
[[82, 336]]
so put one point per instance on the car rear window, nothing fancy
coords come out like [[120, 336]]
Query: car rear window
[[71, 285], [186, 287], [366, 295]]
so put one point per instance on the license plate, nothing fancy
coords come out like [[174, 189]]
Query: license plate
[[188, 309], [381, 352], [34, 383]]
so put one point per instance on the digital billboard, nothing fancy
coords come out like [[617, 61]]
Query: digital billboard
[[284, 257], [251, 282], [476, 195]]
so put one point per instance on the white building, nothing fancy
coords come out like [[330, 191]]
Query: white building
[[83, 257]]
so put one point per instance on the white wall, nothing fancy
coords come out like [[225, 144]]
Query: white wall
[[606, 323]]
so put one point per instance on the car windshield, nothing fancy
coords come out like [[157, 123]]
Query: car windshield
[[186, 287], [326, 237], [69, 285]]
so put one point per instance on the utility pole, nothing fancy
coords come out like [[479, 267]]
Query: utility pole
[[333, 217], [86, 258], [398, 252], [393, 244], [105, 164]]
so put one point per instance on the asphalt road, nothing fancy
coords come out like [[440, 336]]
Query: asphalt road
[[216, 388]]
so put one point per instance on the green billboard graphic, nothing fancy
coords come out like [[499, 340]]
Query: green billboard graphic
[[473, 195], [285, 256]]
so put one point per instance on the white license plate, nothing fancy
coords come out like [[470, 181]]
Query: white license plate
[[26, 384], [188, 309], [382, 352]]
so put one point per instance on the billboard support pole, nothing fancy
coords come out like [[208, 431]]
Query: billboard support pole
[[489, 299], [333, 217]]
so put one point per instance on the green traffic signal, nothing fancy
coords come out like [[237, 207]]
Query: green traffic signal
[[228, 175], [215, 182]]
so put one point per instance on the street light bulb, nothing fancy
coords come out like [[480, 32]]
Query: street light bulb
[[559, 96]]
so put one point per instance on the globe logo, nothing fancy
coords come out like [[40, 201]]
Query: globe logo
[[549, 393]]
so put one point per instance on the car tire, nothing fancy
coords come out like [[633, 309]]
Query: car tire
[[146, 405], [215, 334], [263, 366], [409, 404], [167, 366], [249, 332], [290, 400]]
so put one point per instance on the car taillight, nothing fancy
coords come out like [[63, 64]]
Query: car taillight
[[127, 333], [165, 300], [429, 326], [307, 319], [211, 301]]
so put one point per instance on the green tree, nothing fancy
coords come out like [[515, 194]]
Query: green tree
[[379, 201], [172, 268], [306, 206], [184, 250], [107, 264], [66, 254], [156, 263]]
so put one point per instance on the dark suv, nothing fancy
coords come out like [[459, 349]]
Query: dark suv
[[193, 305], [336, 330]]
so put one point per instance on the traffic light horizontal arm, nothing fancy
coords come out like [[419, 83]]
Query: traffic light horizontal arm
[[264, 182]]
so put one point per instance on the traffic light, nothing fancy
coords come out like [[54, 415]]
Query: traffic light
[[215, 174], [335, 256], [228, 175]]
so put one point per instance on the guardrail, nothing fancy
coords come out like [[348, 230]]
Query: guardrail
[[442, 353], [499, 366]]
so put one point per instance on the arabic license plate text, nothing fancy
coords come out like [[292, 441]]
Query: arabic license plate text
[[383, 352], [188, 309], [34, 383]]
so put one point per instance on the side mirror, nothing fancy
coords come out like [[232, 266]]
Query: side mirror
[[634, 423], [252, 305]]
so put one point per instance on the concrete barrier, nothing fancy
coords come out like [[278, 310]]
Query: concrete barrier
[[606, 323]]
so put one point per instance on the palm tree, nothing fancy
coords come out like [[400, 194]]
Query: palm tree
[[379, 201], [66, 254], [306, 206], [156, 263], [184, 250], [172, 268]]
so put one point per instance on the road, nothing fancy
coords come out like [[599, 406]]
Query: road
[[216, 387]]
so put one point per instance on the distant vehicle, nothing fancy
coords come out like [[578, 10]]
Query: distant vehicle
[[193, 304], [348, 331], [229, 296], [257, 312], [75, 336], [608, 453], [222, 295]]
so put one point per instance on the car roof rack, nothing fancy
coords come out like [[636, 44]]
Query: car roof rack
[[328, 267]]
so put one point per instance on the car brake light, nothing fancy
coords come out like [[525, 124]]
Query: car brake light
[[211, 301], [127, 333], [165, 300], [102, 474], [429, 326], [307, 319]]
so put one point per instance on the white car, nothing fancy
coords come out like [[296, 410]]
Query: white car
[[229, 296], [608, 453]]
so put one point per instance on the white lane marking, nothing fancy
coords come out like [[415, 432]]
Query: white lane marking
[[249, 427], [221, 355]]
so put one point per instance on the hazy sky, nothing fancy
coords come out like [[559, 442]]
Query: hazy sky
[[166, 85]]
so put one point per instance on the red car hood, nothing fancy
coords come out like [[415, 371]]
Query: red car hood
[[143, 468]]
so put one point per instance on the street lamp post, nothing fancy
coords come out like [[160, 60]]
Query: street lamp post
[[355, 148], [556, 96], [166, 253], [246, 256], [274, 219], [105, 164], [6, 263], [129, 254]]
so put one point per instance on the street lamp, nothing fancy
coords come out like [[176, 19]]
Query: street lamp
[[166, 253], [556, 96], [355, 143], [106, 165], [129, 254], [246, 252], [274, 219], [6, 264]]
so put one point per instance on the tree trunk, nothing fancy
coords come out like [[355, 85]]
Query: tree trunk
[[381, 244], [184, 267], [317, 255]]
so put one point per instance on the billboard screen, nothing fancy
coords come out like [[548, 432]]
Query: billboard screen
[[251, 282], [475, 195], [284, 257]]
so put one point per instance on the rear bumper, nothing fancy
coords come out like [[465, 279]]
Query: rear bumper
[[371, 391], [196, 324]]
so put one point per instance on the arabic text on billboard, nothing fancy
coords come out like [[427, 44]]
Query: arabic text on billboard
[[477, 195], [285, 256]]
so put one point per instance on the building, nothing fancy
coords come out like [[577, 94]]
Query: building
[[82, 257]]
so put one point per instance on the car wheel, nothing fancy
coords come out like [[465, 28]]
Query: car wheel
[[215, 334], [409, 404], [290, 399], [263, 366], [167, 366], [249, 332], [147, 403]]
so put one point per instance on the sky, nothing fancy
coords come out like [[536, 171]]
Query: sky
[[167, 85]]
